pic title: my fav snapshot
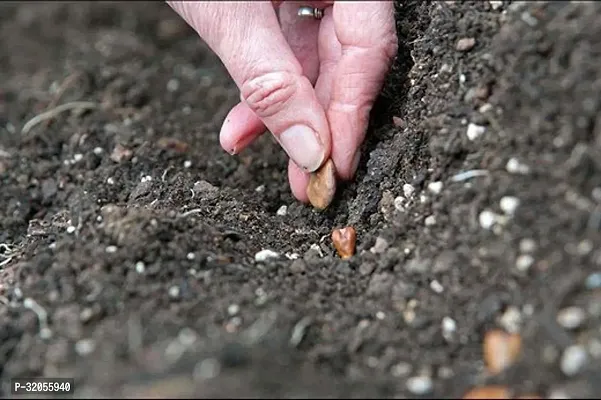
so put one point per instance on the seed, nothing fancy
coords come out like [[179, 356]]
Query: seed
[[322, 186], [344, 241], [488, 392], [501, 350]]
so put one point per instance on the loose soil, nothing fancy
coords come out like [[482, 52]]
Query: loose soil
[[129, 236]]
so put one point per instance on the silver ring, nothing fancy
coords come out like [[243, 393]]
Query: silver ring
[[306, 11]]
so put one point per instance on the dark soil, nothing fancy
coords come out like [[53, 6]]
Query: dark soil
[[151, 287]]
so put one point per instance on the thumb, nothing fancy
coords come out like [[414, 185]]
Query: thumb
[[247, 38]]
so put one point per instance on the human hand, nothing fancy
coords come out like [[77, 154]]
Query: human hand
[[311, 83]]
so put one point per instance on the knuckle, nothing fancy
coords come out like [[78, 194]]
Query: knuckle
[[268, 94]]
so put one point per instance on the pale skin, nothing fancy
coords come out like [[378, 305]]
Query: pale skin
[[311, 83]]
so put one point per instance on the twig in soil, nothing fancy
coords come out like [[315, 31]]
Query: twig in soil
[[82, 105], [190, 212], [463, 176], [67, 83], [165, 173], [299, 331], [31, 304], [7, 252]]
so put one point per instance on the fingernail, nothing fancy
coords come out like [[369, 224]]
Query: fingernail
[[303, 147]]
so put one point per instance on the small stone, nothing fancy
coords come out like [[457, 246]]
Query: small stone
[[487, 219], [449, 327], [593, 281], [71, 229], [509, 204], [380, 246], [514, 166], [84, 347], [233, 309], [172, 85], [435, 187], [419, 385], [474, 131], [501, 350], [430, 220], [174, 292], [436, 286], [344, 241], [398, 122], [399, 203], [265, 255], [527, 245], [511, 320], [408, 190], [187, 164], [140, 267], [204, 188], [120, 154], [571, 317], [190, 256], [496, 4], [322, 186], [465, 44], [283, 210], [573, 359], [111, 249], [524, 262]]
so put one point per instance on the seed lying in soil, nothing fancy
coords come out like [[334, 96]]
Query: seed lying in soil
[[501, 350], [344, 241], [322, 186], [488, 392]]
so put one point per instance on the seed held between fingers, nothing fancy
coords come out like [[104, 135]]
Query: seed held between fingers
[[322, 186]]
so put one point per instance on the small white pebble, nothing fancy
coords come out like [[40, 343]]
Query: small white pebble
[[435, 187], [110, 181], [399, 203], [484, 108], [260, 189], [430, 220], [487, 219], [423, 199], [527, 245], [174, 292], [265, 254], [524, 262], [98, 150], [140, 267], [573, 359], [509, 204], [408, 190], [401, 369], [474, 131], [380, 315], [172, 85], [593, 281], [190, 256], [283, 210], [84, 347], [71, 229], [496, 4], [146, 178], [436, 286], [571, 317], [292, 256], [380, 246], [111, 249], [511, 320], [187, 164], [449, 327], [207, 369], [233, 309], [516, 167], [77, 157], [419, 385]]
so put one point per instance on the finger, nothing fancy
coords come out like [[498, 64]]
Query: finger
[[247, 38], [366, 31], [329, 52], [299, 180], [242, 126]]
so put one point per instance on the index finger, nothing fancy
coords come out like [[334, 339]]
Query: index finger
[[367, 35]]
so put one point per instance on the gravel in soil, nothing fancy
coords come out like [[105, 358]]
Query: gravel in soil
[[139, 258]]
